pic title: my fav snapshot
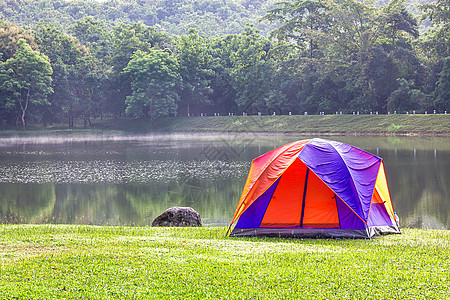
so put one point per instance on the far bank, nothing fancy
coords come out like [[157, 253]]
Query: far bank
[[395, 125]]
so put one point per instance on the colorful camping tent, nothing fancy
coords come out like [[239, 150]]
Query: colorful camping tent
[[315, 188]]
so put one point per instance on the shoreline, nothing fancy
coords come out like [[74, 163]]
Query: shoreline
[[328, 125], [96, 135], [101, 134]]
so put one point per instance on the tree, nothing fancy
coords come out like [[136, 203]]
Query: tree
[[127, 39], [251, 69], [404, 98], [195, 70], [438, 12], [26, 78], [353, 30], [94, 34], [396, 20], [442, 92], [224, 94], [437, 39], [76, 74], [303, 21], [352, 38], [10, 35], [154, 81]]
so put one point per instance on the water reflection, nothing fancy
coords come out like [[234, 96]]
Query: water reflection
[[130, 181], [419, 183]]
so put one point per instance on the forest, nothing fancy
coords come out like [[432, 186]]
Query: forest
[[62, 61]]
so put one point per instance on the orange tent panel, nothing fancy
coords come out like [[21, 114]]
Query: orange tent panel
[[285, 206], [320, 204]]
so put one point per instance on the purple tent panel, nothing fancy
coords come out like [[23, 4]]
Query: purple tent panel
[[340, 166], [378, 215], [252, 217]]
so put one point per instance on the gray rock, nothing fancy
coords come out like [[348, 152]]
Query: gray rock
[[178, 217]]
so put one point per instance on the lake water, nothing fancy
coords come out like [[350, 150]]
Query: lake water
[[131, 180]]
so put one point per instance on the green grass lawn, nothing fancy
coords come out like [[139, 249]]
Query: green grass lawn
[[65, 261], [328, 124]]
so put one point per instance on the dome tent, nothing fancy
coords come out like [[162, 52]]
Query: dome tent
[[315, 188]]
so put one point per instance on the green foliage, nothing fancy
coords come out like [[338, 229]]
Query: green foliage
[[435, 42], [195, 69], [251, 70], [442, 92], [127, 39], [130, 38], [10, 35], [403, 98], [323, 56], [94, 34], [304, 21], [398, 22], [77, 75], [155, 78], [353, 31], [209, 17], [25, 80], [394, 127], [437, 12]]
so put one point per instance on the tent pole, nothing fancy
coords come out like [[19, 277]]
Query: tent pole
[[304, 197], [229, 229]]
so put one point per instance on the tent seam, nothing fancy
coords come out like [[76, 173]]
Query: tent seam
[[353, 182]]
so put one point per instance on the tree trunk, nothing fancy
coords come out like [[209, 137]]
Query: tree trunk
[[17, 122], [311, 41], [24, 109], [151, 112], [70, 118], [393, 35], [24, 127]]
